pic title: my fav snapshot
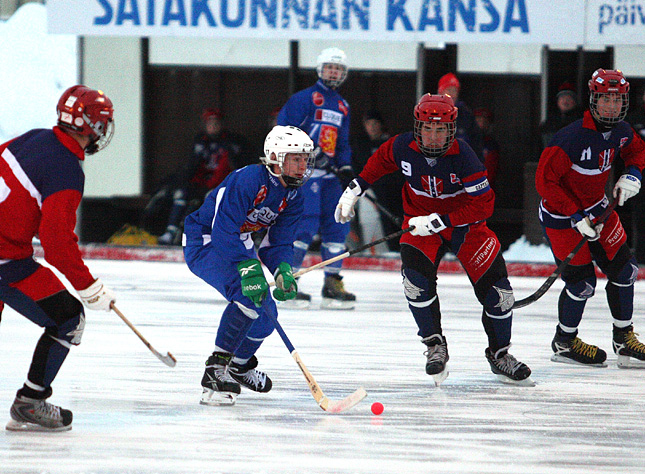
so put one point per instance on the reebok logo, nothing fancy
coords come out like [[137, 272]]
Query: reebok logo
[[245, 270]]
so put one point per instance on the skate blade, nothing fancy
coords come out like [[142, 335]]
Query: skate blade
[[14, 425], [527, 382], [214, 399], [566, 360], [328, 303], [626, 362], [440, 377], [294, 304]]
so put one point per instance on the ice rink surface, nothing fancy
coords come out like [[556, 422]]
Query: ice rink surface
[[132, 414]]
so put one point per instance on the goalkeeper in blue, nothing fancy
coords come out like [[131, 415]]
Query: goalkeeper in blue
[[219, 249]]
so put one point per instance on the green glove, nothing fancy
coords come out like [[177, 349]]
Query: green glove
[[254, 284], [285, 284]]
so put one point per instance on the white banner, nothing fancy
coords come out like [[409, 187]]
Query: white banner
[[451, 21], [615, 22]]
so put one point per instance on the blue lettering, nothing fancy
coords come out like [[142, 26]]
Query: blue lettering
[[151, 12], [179, 15], [396, 9], [331, 18], [436, 20], [107, 18], [270, 11], [200, 7], [606, 15], [122, 15], [226, 21], [494, 17], [467, 14], [301, 11], [362, 13], [522, 22]]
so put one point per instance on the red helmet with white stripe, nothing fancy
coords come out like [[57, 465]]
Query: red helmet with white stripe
[[435, 109], [87, 112], [609, 96]]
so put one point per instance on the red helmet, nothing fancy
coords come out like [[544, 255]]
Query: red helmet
[[430, 109], [608, 83], [87, 112]]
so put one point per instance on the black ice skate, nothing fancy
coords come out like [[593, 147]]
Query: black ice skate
[[437, 357], [247, 376], [630, 351], [334, 294], [571, 350], [219, 388], [508, 369], [301, 301], [29, 414]]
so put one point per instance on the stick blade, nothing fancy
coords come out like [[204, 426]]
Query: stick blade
[[167, 359], [346, 403]]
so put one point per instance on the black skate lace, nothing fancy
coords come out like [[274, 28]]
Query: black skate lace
[[583, 348], [508, 364]]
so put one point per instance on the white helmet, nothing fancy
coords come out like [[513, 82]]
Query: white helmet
[[287, 139], [332, 56]]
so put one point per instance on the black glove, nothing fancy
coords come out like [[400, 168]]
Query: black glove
[[321, 159], [346, 175]]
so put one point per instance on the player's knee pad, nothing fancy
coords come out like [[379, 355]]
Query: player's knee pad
[[581, 290], [419, 290], [626, 276], [499, 300], [67, 312], [179, 195], [333, 248]]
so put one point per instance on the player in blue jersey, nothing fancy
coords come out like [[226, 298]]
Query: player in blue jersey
[[219, 249], [321, 112], [447, 199], [571, 178], [41, 187]]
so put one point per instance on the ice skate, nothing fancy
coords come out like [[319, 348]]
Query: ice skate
[[437, 357], [334, 294], [301, 301], [629, 350], [219, 388], [247, 376], [574, 351], [508, 369], [29, 414], [169, 237]]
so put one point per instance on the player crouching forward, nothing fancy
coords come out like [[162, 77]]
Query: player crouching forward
[[447, 199], [219, 249]]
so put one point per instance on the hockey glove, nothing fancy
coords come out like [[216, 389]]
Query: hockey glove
[[97, 296], [345, 207], [626, 187], [345, 174], [286, 286], [426, 225], [254, 284], [584, 225]]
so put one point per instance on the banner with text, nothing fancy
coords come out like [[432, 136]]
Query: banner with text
[[450, 21]]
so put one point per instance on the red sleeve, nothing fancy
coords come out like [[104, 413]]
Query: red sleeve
[[380, 163], [554, 164], [634, 153], [476, 208], [58, 239]]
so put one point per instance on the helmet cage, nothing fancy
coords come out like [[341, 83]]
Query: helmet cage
[[608, 83], [332, 56], [435, 109], [283, 140]]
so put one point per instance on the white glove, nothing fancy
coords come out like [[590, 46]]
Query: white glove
[[426, 225], [97, 296], [345, 207], [587, 229], [626, 187]]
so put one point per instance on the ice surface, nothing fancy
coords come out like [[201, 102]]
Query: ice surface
[[132, 414]]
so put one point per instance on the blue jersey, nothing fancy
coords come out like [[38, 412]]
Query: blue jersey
[[324, 115], [248, 200]]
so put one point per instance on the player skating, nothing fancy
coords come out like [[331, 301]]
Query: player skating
[[571, 178], [321, 112], [41, 186], [219, 249], [447, 199]]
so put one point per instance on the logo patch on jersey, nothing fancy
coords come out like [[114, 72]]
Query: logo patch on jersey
[[605, 159], [327, 139], [432, 185], [318, 99], [342, 107], [622, 142], [262, 195], [454, 179], [330, 116], [283, 205]]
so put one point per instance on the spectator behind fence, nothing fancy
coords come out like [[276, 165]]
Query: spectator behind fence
[[567, 112], [491, 150], [387, 191]]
